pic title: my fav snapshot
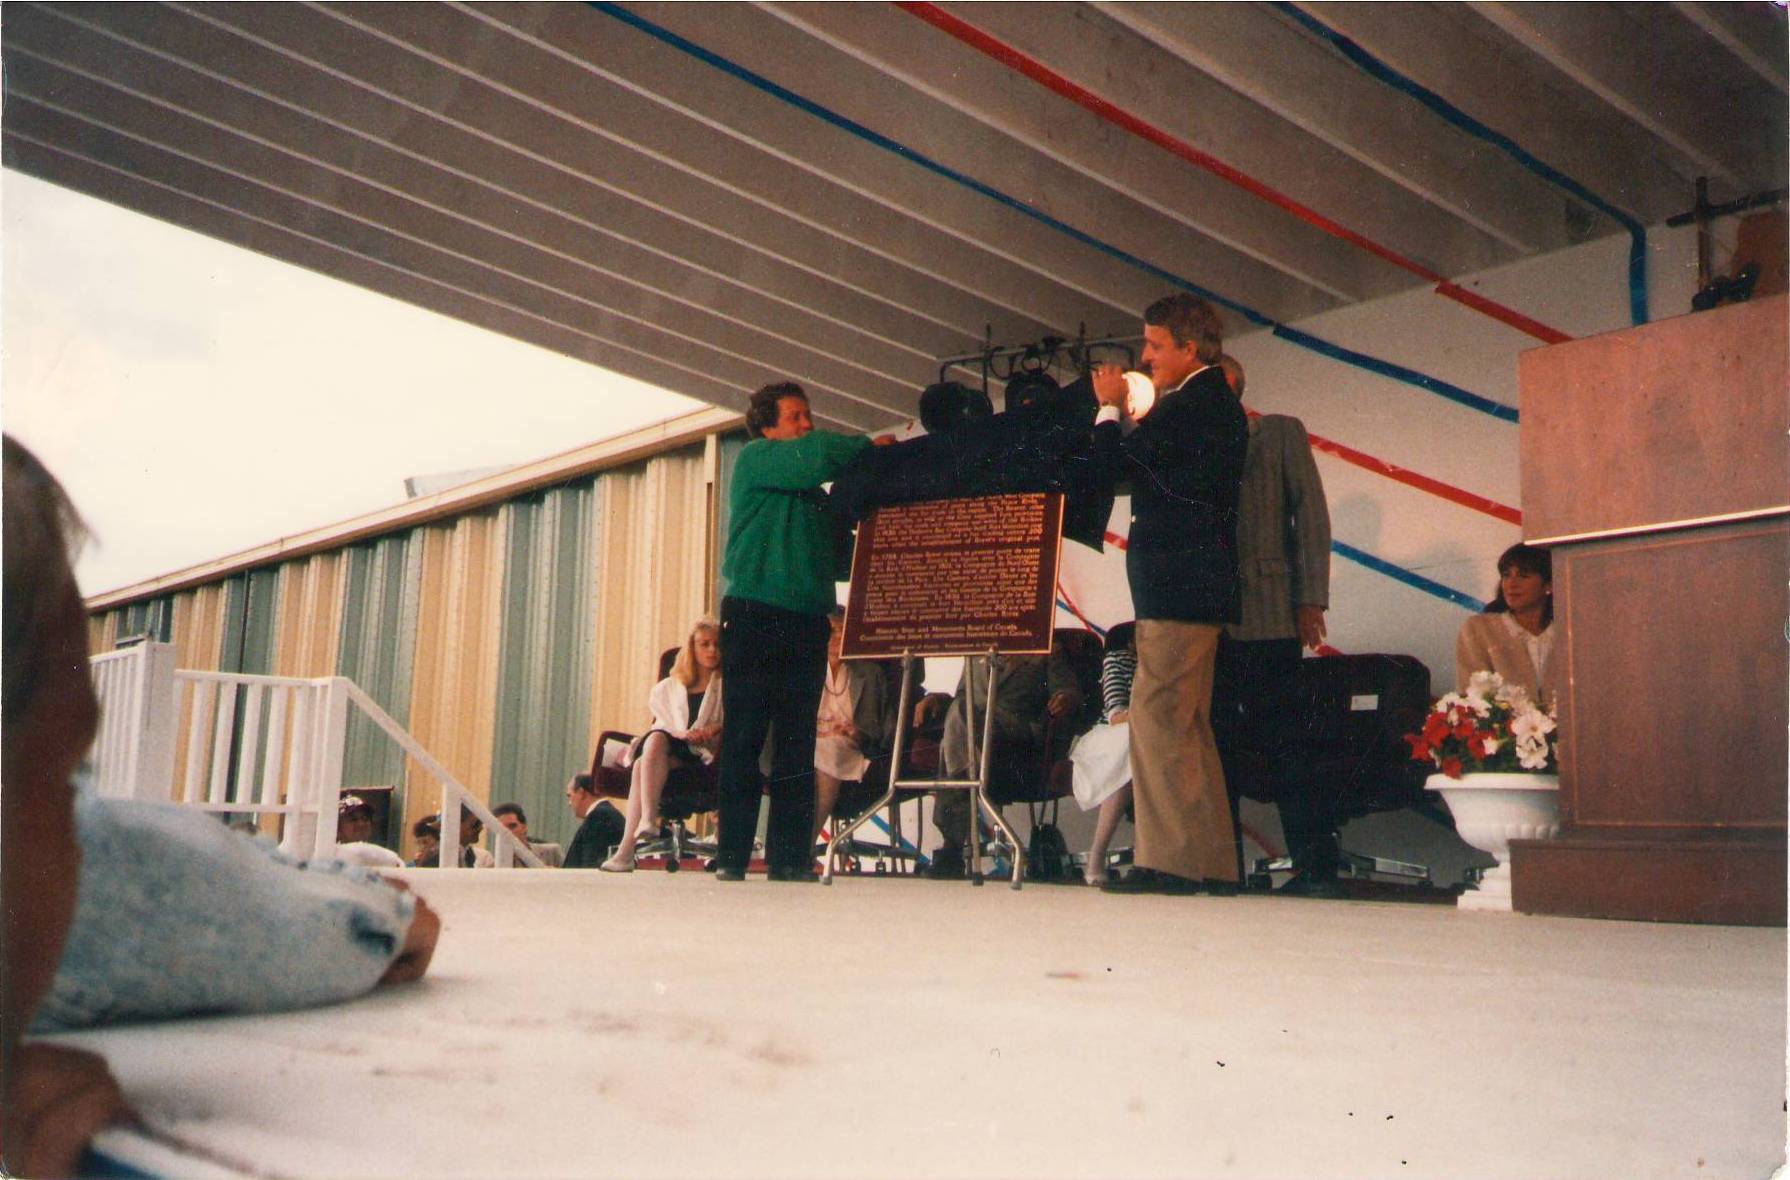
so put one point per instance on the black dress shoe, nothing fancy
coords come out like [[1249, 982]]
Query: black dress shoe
[[1310, 885], [947, 865], [804, 874], [1140, 880], [726, 874]]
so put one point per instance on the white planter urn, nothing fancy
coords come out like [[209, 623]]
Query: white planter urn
[[1492, 809]]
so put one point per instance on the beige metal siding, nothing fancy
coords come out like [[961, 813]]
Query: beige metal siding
[[454, 690], [652, 578], [309, 629]]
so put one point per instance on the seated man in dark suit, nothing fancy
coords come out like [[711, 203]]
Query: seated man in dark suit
[[601, 830], [1026, 689]]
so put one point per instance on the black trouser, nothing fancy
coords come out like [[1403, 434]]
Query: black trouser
[[1254, 719], [773, 665]]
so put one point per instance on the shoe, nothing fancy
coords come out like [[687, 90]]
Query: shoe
[[1310, 885], [722, 874], [1141, 880], [616, 864], [800, 874], [648, 832], [947, 865]]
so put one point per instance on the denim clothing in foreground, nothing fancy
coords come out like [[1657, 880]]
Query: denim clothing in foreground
[[180, 916], [773, 664]]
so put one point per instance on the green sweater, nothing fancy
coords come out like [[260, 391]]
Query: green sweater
[[779, 545]]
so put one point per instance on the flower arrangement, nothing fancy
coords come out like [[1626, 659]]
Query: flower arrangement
[[1493, 726]]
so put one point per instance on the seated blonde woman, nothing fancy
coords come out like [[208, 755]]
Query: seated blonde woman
[[686, 730], [1514, 637]]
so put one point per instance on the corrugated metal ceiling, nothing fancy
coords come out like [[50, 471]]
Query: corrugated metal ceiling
[[708, 197]]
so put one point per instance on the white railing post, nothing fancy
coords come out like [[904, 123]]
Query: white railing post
[[161, 724], [133, 753], [312, 797]]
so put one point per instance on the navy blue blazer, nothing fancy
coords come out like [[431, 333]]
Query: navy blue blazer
[[1185, 464]]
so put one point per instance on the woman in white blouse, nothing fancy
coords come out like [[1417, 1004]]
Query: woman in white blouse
[[1515, 635], [856, 723], [686, 709]]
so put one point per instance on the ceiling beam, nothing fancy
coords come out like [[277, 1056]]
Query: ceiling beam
[[1754, 33], [1262, 56], [521, 150], [1447, 50], [603, 78], [881, 66], [1712, 119]]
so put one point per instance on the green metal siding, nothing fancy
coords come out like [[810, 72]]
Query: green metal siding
[[546, 651], [251, 613], [378, 652], [731, 446], [153, 617]]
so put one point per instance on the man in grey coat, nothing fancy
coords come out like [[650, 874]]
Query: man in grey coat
[[1283, 565]]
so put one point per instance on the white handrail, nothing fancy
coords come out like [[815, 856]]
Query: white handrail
[[141, 696], [450, 830]]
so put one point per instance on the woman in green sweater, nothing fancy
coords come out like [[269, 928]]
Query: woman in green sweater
[[779, 570]]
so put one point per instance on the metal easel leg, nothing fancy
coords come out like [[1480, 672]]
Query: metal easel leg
[[842, 834]]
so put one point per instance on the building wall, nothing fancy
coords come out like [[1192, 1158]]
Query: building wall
[[503, 638]]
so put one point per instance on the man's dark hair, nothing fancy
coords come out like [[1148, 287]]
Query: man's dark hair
[[1190, 320], [581, 782], [515, 809], [762, 411]]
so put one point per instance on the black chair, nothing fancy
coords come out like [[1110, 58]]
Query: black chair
[[1352, 713]]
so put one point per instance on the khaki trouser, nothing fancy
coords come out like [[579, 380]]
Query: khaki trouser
[[1183, 813]]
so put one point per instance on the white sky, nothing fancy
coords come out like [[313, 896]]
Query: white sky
[[197, 399]]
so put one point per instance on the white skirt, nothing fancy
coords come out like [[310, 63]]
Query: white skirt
[[1102, 762], [838, 757]]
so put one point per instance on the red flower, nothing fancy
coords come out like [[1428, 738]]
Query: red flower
[[1435, 729], [1451, 767], [1420, 749]]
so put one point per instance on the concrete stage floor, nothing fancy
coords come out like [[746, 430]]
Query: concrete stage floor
[[578, 1024]]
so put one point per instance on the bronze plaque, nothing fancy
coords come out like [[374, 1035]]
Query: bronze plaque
[[956, 577]]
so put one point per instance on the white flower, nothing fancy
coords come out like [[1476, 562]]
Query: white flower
[[1484, 684], [1532, 752], [1474, 698], [1531, 723]]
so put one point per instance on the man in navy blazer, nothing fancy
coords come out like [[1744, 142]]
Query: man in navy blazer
[[1184, 461]]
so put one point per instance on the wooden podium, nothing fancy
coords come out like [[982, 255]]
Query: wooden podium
[[1655, 466]]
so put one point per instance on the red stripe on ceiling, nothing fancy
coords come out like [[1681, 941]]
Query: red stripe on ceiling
[[1042, 74]]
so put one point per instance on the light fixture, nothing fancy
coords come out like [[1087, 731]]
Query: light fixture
[[1140, 395]]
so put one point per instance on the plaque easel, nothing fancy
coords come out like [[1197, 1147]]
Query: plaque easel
[[908, 598]]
